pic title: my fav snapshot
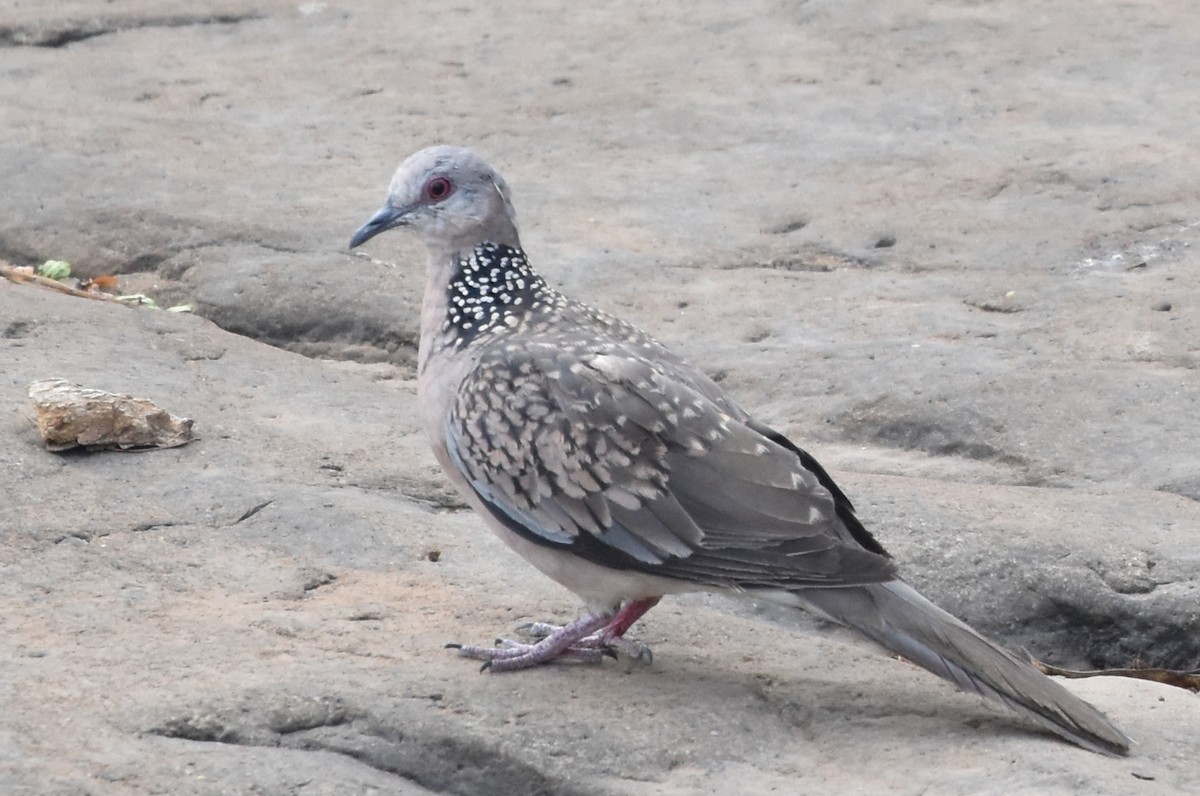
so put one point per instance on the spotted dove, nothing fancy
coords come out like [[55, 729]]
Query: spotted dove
[[625, 474]]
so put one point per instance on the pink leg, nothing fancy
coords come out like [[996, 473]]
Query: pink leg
[[560, 643], [586, 639], [630, 612], [612, 637]]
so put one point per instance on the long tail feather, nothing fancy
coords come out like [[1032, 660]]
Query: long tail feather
[[895, 616]]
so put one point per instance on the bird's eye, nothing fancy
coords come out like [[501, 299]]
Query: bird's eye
[[438, 189]]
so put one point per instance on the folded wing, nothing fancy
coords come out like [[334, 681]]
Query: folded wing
[[632, 464]]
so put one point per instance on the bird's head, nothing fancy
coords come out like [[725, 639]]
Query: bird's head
[[450, 197]]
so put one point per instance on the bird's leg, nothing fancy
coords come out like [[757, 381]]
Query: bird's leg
[[561, 643], [587, 639], [630, 612], [612, 635]]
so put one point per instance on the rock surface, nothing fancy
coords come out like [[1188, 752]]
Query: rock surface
[[950, 248]]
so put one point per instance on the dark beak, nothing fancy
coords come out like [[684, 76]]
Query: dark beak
[[385, 219]]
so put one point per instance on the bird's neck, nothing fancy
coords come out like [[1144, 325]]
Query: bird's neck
[[482, 291]]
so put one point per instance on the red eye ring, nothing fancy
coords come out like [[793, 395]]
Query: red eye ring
[[438, 188]]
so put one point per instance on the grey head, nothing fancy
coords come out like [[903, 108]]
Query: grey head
[[451, 198]]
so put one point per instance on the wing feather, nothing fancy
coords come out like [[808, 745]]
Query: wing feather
[[643, 464]]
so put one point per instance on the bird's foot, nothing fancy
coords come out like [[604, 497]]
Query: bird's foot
[[605, 641], [559, 644], [588, 640]]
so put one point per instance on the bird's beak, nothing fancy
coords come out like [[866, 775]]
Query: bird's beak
[[385, 219]]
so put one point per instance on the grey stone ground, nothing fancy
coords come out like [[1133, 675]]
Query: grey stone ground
[[950, 247]]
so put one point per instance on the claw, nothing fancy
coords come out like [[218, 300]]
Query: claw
[[453, 645], [539, 629], [589, 639], [634, 650]]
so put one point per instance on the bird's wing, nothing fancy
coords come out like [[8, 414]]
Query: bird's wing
[[598, 451]]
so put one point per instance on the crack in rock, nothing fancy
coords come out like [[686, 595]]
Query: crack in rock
[[250, 512], [154, 525], [423, 752], [60, 34], [808, 259], [443, 763]]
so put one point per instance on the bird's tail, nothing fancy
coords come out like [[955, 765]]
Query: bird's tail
[[894, 615]]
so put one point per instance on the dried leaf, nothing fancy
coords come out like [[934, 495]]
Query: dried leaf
[[102, 282], [71, 416]]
